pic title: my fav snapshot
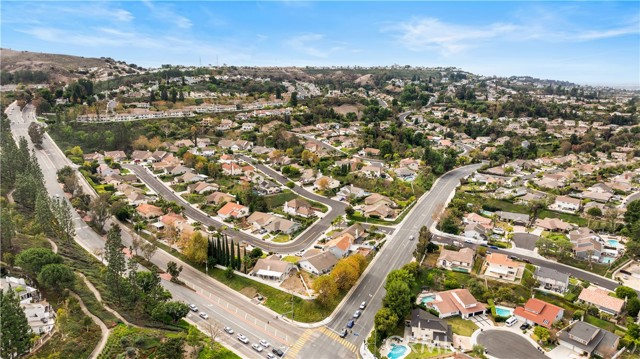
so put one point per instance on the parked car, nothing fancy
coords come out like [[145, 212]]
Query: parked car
[[243, 339], [514, 258], [357, 314], [277, 352], [494, 247], [264, 343], [363, 305], [257, 347], [228, 330], [350, 323], [469, 241], [343, 333], [203, 315], [525, 326], [193, 307], [270, 356]]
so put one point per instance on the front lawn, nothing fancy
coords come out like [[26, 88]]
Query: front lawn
[[461, 326], [278, 200], [282, 238]]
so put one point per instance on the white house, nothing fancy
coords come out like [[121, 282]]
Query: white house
[[566, 204]]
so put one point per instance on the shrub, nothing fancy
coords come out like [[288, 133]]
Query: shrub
[[571, 297]]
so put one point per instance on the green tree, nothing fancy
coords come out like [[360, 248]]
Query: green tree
[[36, 133], [386, 148], [542, 333], [325, 288], [385, 321], [64, 228], [16, 333], [100, 210], [170, 348], [401, 275], [349, 211], [294, 99], [633, 307], [173, 270], [398, 298], [32, 260], [176, 310], [344, 274], [624, 292], [632, 214], [424, 238], [56, 276], [116, 263], [7, 230], [594, 212]]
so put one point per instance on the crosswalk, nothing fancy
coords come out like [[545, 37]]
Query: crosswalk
[[295, 349], [333, 335]]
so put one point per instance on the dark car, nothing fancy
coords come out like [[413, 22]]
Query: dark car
[[526, 260], [514, 258], [525, 326], [493, 247], [350, 323], [343, 333], [277, 352]]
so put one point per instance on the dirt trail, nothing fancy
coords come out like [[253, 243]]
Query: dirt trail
[[103, 327]]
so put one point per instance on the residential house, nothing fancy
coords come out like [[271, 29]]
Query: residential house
[[369, 152], [566, 204], [588, 340], [356, 231], [456, 302], [231, 169], [26, 294], [117, 156], [601, 299], [202, 187], [379, 210], [498, 265], [428, 329], [586, 243], [307, 176], [105, 171], [326, 183], [190, 177], [267, 187], [404, 173], [94, 156], [281, 225], [299, 207], [272, 268], [410, 163], [376, 199], [602, 197], [148, 211], [40, 317], [475, 231], [340, 246], [515, 218], [351, 191], [553, 224], [177, 170], [372, 171], [539, 312], [551, 279], [184, 143], [233, 210], [459, 261], [219, 198], [259, 219], [319, 264], [141, 156], [476, 218], [248, 126]]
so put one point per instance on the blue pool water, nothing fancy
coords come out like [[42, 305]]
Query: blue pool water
[[607, 260], [504, 312], [613, 243], [428, 299], [397, 351]]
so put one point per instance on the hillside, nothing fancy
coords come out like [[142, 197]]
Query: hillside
[[59, 68]]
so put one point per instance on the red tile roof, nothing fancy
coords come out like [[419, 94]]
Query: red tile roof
[[539, 312]]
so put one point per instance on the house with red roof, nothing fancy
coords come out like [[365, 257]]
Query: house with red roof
[[539, 312], [233, 210]]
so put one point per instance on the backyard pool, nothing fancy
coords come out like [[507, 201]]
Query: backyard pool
[[397, 351], [504, 312], [613, 243], [607, 260], [428, 299]]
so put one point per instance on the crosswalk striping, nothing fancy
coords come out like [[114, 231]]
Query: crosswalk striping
[[333, 335], [299, 344]]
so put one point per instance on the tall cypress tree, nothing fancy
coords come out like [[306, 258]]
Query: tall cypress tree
[[232, 255], [219, 251], [15, 330], [238, 259]]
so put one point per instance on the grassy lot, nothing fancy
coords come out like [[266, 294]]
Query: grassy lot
[[193, 197], [282, 238], [606, 325], [179, 187], [81, 335], [91, 302], [419, 351], [278, 200], [291, 259], [23, 241], [461, 326]]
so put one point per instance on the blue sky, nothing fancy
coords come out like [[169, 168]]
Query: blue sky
[[585, 42]]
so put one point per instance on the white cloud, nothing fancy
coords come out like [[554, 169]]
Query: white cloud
[[315, 45], [449, 38], [167, 14]]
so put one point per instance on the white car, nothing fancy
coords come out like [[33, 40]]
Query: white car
[[363, 305], [411, 237], [203, 315], [257, 347], [193, 307], [228, 330], [270, 356], [357, 314], [243, 339], [264, 343]]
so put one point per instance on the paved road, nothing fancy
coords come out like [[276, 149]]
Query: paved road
[[395, 253], [505, 345], [223, 304]]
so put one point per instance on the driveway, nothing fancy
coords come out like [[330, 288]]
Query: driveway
[[506, 345], [482, 321]]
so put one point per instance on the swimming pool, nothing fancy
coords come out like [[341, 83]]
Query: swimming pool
[[607, 260], [504, 312], [428, 299], [397, 351], [613, 243]]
